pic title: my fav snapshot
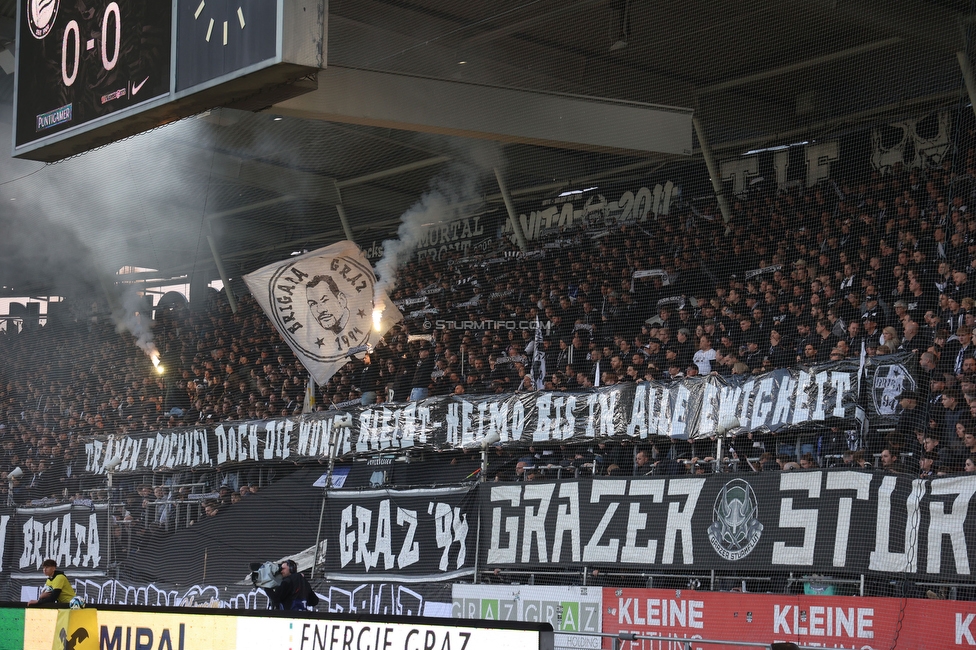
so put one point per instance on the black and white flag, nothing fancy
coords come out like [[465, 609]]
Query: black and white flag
[[538, 358], [322, 304]]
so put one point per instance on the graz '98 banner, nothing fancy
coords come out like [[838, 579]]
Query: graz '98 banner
[[699, 407], [818, 521], [407, 535]]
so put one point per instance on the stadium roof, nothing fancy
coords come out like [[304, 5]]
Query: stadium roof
[[755, 72]]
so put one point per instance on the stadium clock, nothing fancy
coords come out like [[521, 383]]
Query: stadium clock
[[90, 72], [219, 37], [79, 60]]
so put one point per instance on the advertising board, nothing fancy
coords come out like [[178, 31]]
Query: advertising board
[[818, 621], [567, 609], [144, 629]]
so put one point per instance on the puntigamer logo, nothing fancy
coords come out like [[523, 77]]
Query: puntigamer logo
[[53, 118], [735, 528]]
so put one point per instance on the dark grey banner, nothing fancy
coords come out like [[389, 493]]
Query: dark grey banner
[[699, 407], [73, 535], [412, 535], [812, 521]]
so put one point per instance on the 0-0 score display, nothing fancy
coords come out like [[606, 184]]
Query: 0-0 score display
[[83, 59], [111, 33]]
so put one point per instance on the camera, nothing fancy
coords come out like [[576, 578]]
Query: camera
[[265, 574]]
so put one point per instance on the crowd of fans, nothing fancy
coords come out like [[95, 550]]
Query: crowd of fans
[[881, 262], [66, 381], [680, 458]]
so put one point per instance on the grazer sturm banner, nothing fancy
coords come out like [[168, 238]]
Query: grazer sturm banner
[[412, 535], [568, 609], [692, 408], [817, 621], [811, 521], [322, 304]]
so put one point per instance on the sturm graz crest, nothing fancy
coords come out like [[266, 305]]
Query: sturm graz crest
[[735, 528], [41, 15], [889, 382]]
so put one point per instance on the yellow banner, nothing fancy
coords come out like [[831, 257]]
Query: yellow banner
[[108, 630], [76, 629]]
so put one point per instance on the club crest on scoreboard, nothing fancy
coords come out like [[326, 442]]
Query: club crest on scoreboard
[[41, 15]]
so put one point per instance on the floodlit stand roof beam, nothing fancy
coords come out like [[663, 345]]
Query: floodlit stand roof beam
[[251, 206], [223, 274], [510, 207], [801, 65], [967, 76], [924, 23], [503, 114], [345, 222], [392, 171], [713, 170], [375, 176]]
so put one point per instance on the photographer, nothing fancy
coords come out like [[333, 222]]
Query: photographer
[[294, 592]]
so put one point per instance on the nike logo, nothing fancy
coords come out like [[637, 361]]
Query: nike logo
[[137, 87]]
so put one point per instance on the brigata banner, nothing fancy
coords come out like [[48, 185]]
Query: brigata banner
[[809, 521], [413, 535], [698, 407], [72, 535], [818, 621]]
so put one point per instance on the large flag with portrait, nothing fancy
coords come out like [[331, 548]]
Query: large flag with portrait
[[322, 304]]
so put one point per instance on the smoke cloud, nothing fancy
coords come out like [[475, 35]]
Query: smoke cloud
[[74, 224], [131, 316], [60, 259], [454, 193]]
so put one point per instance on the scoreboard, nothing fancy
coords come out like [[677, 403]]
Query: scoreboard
[[79, 61], [92, 71]]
